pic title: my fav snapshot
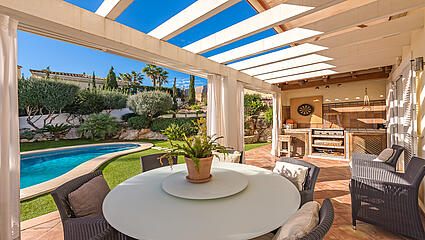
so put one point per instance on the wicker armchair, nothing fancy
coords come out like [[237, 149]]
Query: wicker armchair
[[360, 159], [389, 199], [307, 193], [151, 162], [82, 228], [326, 218]]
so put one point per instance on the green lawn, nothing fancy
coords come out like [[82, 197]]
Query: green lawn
[[115, 171]]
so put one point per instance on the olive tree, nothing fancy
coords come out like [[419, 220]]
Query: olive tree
[[150, 104], [44, 99]]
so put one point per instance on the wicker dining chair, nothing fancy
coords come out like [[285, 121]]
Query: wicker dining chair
[[326, 218], [82, 228], [361, 159], [313, 172], [233, 151], [150, 162], [389, 199]]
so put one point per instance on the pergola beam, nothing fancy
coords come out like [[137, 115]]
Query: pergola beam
[[381, 58], [338, 22], [66, 22], [389, 28], [111, 9], [255, 24], [277, 56], [264, 45], [361, 15], [287, 64], [335, 80], [189, 17]]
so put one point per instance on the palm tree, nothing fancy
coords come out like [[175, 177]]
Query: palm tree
[[162, 77], [133, 79], [151, 72]]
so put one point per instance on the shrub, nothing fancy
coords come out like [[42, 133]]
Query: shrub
[[160, 124], [127, 116], [27, 134], [195, 107], [201, 126], [150, 104], [99, 126], [44, 97], [253, 104], [113, 99], [269, 115], [57, 129], [138, 122], [87, 102], [174, 132]]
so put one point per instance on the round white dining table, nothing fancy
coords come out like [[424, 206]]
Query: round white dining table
[[139, 208]]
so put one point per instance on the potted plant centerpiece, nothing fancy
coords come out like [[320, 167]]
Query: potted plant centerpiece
[[198, 152]]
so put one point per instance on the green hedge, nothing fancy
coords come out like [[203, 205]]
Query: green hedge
[[138, 122], [160, 124]]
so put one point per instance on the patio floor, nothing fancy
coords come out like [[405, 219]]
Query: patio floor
[[332, 183]]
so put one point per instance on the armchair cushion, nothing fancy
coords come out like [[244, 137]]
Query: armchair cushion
[[86, 201], [386, 155], [301, 223], [293, 172], [230, 157]]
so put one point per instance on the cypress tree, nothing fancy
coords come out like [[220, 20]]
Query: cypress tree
[[192, 90], [174, 95], [111, 80], [93, 81]]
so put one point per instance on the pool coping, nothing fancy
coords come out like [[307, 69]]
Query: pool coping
[[84, 168]]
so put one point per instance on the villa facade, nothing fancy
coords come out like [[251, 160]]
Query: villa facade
[[82, 80]]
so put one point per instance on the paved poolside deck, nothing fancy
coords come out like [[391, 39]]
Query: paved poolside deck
[[332, 183]]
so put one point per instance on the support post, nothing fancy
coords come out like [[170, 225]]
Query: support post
[[9, 129], [277, 116]]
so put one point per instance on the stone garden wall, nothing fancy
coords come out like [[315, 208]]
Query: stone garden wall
[[257, 129]]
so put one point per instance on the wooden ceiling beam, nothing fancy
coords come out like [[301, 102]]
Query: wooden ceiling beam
[[308, 83]]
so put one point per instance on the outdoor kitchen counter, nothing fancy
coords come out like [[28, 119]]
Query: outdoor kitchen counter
[[358, 140]]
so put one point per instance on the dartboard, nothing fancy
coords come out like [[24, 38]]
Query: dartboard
[[305, 109]]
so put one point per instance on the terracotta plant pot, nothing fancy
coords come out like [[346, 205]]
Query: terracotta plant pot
[[204, 173]]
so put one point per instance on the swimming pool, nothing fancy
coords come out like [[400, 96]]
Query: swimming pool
[[40, 167]]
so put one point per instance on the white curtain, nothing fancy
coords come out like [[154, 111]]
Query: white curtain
[[277, 106], [225, 109], [9, 131]]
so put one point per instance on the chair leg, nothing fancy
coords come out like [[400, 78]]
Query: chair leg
[[354, 224]]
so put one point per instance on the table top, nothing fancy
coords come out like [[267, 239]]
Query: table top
[[139, 207]]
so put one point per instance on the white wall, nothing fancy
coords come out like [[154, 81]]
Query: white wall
[[62, 119], [346, 92]]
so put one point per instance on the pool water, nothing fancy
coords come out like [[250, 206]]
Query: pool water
[[40, 167]]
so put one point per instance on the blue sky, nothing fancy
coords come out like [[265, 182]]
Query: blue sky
[[35, 52]]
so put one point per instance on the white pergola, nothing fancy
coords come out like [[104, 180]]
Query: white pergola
[[325, 37]]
